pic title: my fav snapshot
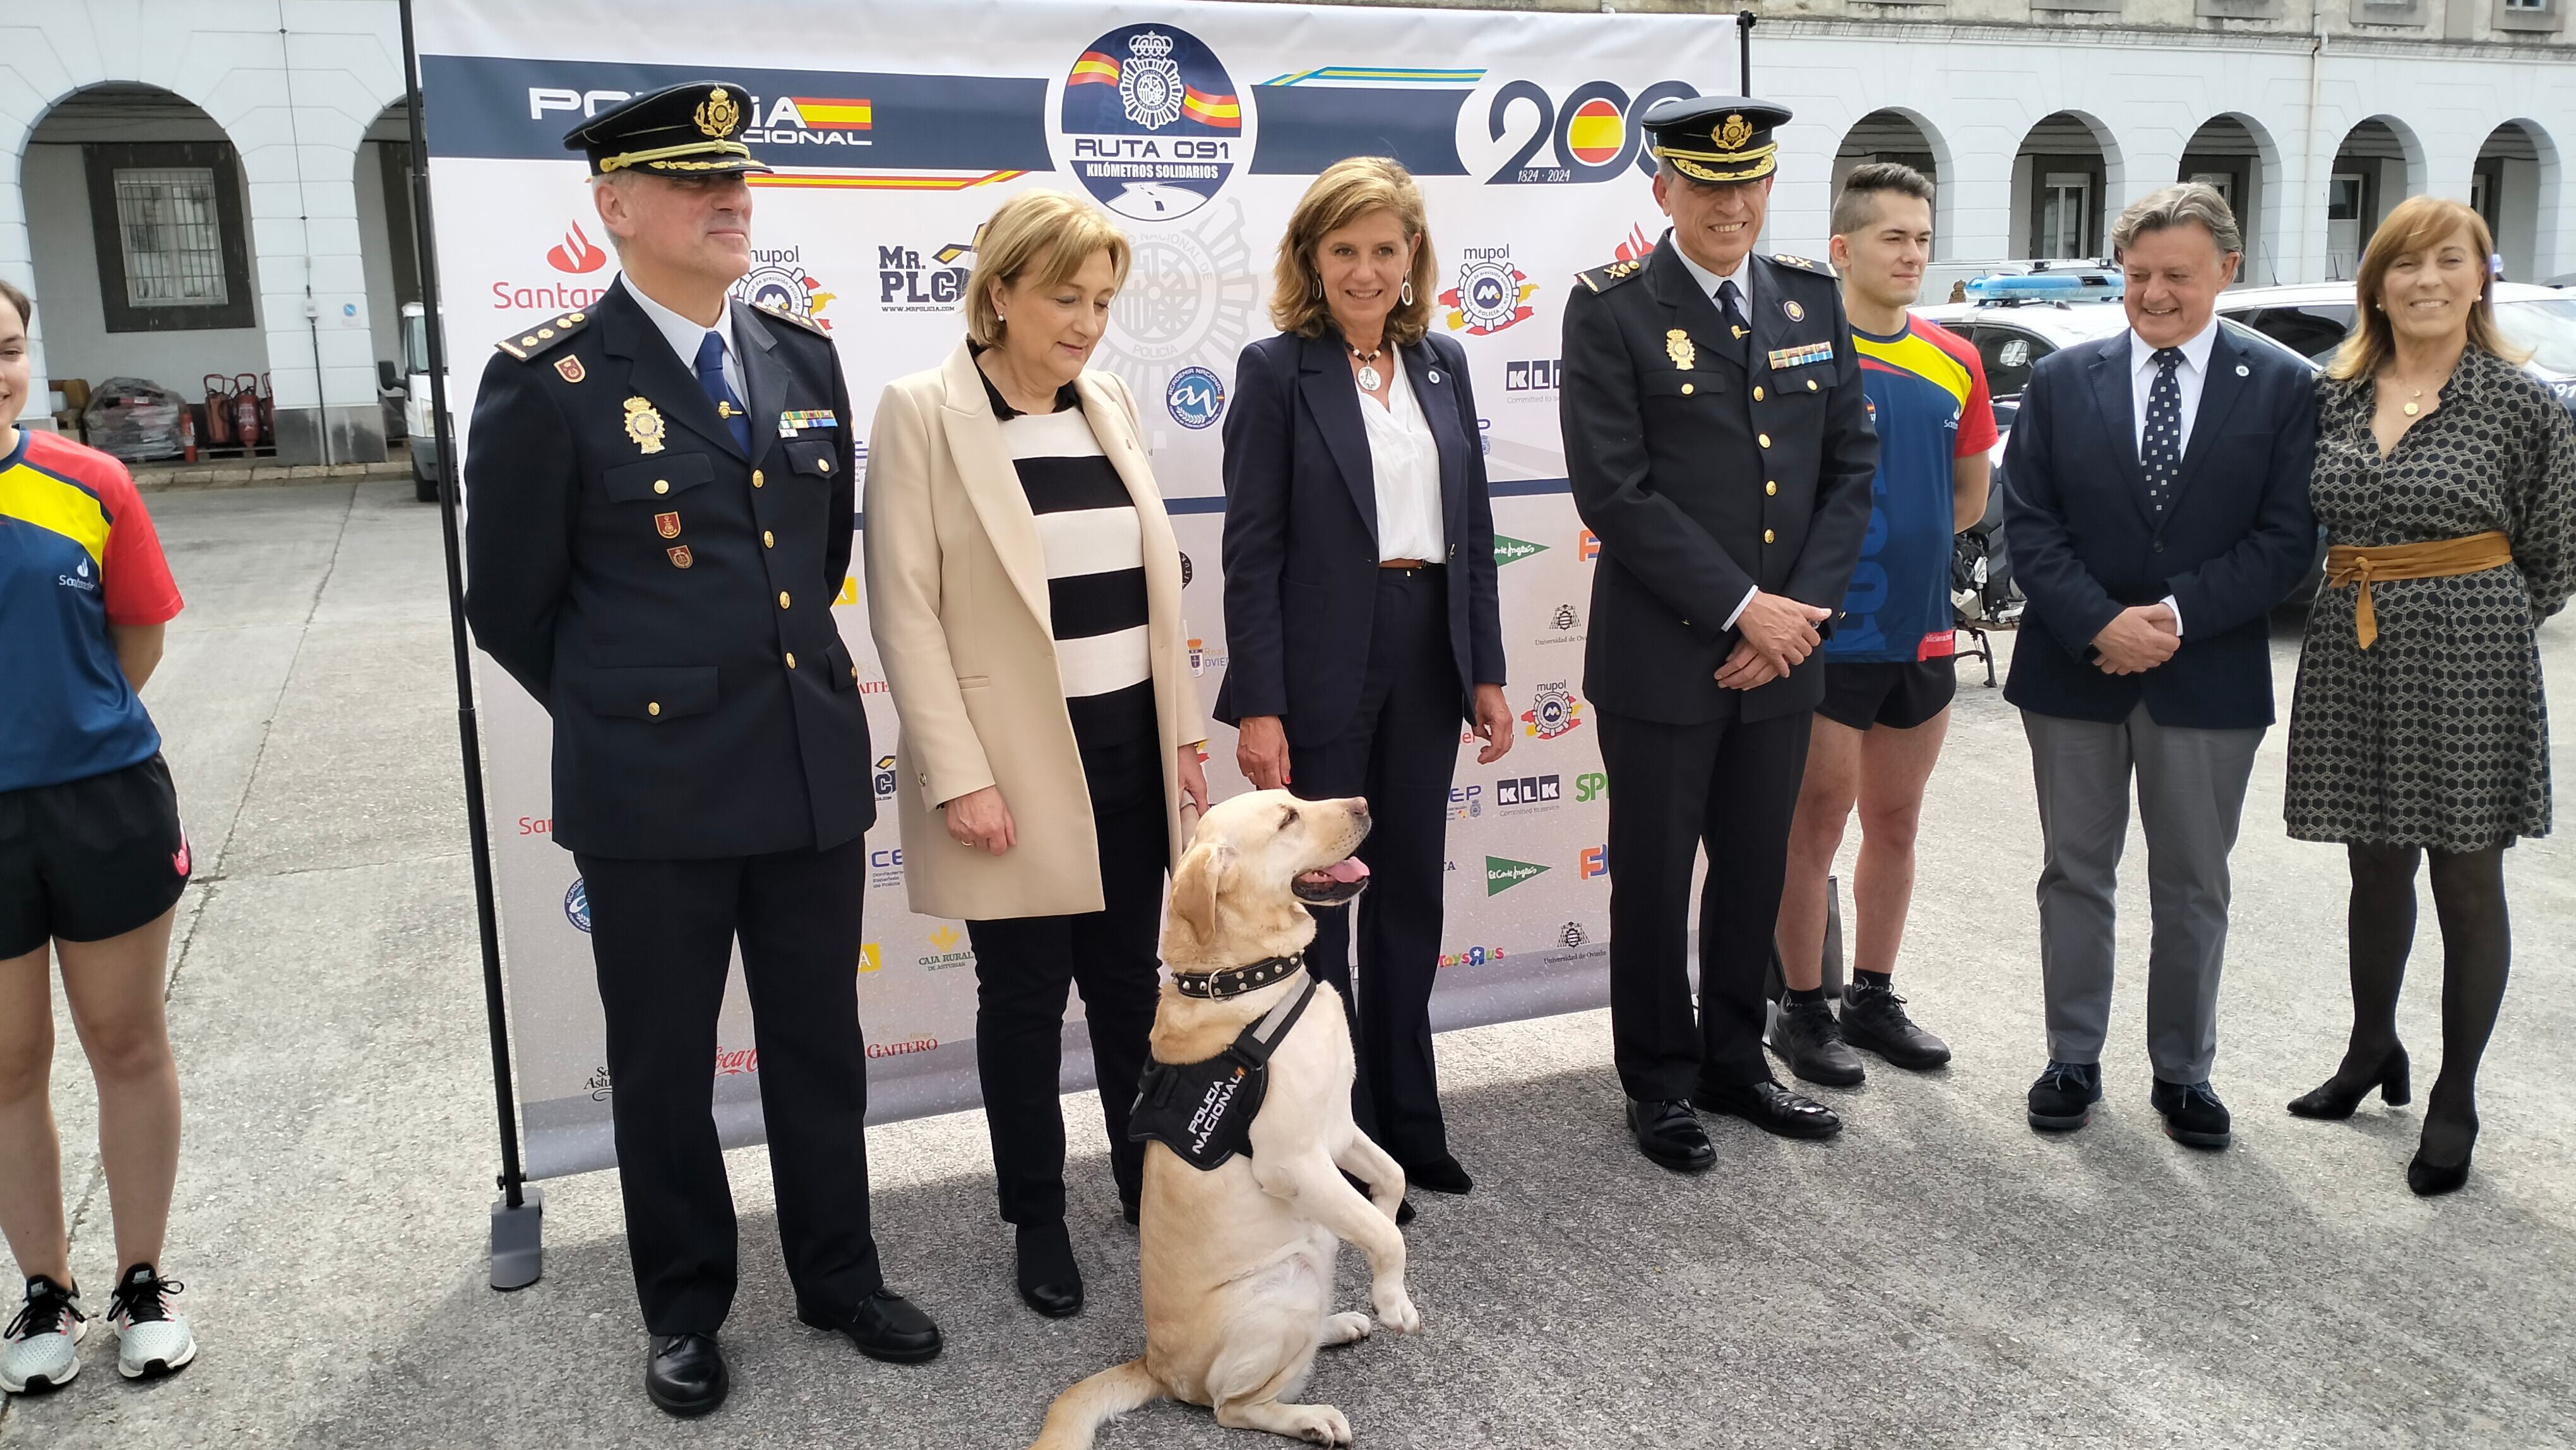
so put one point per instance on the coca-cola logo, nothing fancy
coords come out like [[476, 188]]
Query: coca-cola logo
[[575, 253], [735, 1061]]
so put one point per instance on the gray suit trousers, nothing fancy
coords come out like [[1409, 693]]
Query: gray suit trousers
[[2191, 789]]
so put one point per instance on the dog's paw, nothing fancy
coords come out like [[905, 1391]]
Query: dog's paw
[[1395, 1308], [1322, 1425], [1346, 1328]]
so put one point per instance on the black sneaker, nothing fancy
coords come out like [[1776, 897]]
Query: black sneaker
[[2192, 1112], [2063, 1098], [1808, 1038], [1874, 1018]]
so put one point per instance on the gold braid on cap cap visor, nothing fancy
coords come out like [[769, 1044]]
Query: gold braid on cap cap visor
[[1750, 165], [667, 154]]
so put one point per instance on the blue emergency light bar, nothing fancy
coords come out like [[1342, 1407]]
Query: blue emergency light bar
[[2071, 285]]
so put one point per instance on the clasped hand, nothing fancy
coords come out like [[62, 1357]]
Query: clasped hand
[[1774, 634], [2137, 639]]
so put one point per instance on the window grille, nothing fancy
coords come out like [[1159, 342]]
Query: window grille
[[173, 245]]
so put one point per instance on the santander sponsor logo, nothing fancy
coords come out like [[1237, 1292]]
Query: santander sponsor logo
[[574, 254]]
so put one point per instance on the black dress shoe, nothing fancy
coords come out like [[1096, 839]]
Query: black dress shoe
[[1440, 1175], [1050, 1281], [2063, 1098], [1770, 1107], [885, 1326], [1811, 1042], [1874, 1019], [2192, 1113], [685, 1374], [2340, 1094], [1668, 1132]]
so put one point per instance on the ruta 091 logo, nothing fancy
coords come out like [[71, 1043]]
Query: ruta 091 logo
[[1470, 956], [909, 280], [777, 281], [1491, 294], [577, 906], [1525, 793], [1196, 400], [1151, 122], [1553, 712], [1592, 133]]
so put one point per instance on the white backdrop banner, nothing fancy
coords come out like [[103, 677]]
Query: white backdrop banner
[[896, 129]]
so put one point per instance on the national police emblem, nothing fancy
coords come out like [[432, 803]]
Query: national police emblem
[[717, 115]]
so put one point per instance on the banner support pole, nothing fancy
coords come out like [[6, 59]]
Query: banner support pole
[[518, 1223], [1743, 42]]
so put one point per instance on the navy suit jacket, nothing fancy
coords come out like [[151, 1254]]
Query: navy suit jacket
[[1301, 550], [2230, 545]]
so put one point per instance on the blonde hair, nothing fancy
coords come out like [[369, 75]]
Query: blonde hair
[[1042, 237], [2416, 224], [1348, 190]]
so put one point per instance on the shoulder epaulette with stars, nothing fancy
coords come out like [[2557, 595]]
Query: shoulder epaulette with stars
[[1804, 264], [783, 315], [1602, 278], [538, 339]]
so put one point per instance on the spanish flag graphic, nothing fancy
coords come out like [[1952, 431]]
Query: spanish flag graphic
[[1219, 111], [1094, 69], [825, 113]]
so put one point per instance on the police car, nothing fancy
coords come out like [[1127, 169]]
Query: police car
[[2312, 320]]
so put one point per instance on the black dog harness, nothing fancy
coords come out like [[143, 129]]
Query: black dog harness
[[1203, 1111]]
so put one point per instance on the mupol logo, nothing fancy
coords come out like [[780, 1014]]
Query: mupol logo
[[777, 280], [577, 906], [1151, 123], [1196, 399], [1554, 712], [1491, 294], [909, 281]]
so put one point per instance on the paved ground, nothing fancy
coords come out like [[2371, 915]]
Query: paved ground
[[1939, 1276]]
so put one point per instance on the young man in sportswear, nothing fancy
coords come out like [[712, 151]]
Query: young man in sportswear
[[1888, 670]]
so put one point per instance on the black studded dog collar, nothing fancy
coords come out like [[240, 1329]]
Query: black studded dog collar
[[1235, 981]]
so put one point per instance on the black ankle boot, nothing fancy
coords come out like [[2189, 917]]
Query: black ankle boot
[[2343, 1092], [1050, 1281]]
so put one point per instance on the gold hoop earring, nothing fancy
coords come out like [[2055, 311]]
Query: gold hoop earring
[[1405, 296]]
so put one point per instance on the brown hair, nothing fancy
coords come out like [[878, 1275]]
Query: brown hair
[[2417, 224], [1044, 236], [1857, 204], [1348, 190], [18, 299]]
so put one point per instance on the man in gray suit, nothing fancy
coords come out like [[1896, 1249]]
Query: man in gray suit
[[2156, 500]]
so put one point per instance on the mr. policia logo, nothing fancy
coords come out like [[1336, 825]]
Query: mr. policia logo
[[910, 280]]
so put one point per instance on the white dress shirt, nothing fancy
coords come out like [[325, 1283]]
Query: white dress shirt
[[2189, 375], [1708, 282], [1405, 458], [686, 337]]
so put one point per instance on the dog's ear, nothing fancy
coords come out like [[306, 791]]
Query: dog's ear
[[1195, 886]]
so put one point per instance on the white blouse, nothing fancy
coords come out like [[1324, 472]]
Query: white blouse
[[1406, 460]]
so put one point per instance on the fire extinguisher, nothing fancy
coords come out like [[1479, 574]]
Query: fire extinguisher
[[246, 411], [219, 411], [267, 410], [188, 434]]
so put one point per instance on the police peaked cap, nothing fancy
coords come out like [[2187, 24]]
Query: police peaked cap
[[1715, 138], [693, 129]]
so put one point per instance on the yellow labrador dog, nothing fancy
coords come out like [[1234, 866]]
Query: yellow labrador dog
[[1237, 1261]]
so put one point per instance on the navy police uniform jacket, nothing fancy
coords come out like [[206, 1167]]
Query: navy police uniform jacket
[[1707, 464], [668, 600]]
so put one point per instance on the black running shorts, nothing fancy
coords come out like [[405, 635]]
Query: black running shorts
[[89, 859], [1899, 694]]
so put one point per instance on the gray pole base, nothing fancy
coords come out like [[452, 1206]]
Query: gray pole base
[[518, 1240]]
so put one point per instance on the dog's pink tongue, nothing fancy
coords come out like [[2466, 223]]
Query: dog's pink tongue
[[1349, 869]]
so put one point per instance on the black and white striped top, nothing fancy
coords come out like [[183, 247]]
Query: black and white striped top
[[1095, 564]]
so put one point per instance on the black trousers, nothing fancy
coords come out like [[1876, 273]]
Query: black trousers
[[1400, 750], [1729, 786], [661, 933], [1022, 966]]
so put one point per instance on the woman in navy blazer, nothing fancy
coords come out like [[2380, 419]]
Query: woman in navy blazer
[[1359, 604]]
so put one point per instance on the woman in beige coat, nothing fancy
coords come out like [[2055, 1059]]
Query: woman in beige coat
[[1025, 593]]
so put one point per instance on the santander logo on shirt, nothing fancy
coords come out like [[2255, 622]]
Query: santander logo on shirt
[[78, 579]]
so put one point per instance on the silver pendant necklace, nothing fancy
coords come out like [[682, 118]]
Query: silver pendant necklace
[[1370, 381]]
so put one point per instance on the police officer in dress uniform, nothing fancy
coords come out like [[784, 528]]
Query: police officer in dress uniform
[[1721, 450], [659, 513]]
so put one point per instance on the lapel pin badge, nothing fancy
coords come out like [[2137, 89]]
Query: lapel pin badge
[[1677, 346], [570, 368], [1796, 312], [667, 525], [680, 555], [1435, 376], [2243, 371]]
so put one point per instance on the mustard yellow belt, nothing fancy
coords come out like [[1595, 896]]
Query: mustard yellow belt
[[2432, 559]]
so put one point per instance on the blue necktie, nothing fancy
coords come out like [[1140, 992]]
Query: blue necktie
[[1730, 301], [2160, 453], [711, 353]]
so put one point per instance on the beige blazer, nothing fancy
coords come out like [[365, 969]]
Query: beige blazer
[[957, 599]]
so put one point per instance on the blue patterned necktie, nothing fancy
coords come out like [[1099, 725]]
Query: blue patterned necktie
[[1730, 300], [711, 355], [2160, 452]]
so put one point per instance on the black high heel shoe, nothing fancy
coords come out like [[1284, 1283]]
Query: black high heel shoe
[[2339, 1096], [2430, 1179]]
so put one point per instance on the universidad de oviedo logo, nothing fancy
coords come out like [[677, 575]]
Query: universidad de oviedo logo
[[1151, 123]]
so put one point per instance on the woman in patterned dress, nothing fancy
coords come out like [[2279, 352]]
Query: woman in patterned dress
[[2446, 482]]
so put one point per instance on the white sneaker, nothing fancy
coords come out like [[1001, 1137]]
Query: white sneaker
[[150, 1340], [41, 1349]]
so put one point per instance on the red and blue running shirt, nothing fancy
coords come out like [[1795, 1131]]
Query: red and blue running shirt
[[77, 554], [1927, 395]]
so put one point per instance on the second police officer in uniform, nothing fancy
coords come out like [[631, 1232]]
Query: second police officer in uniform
[[1721, 449], [660, 490]]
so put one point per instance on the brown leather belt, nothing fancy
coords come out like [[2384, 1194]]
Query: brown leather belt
[[2433, 559], [1404, 563]]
